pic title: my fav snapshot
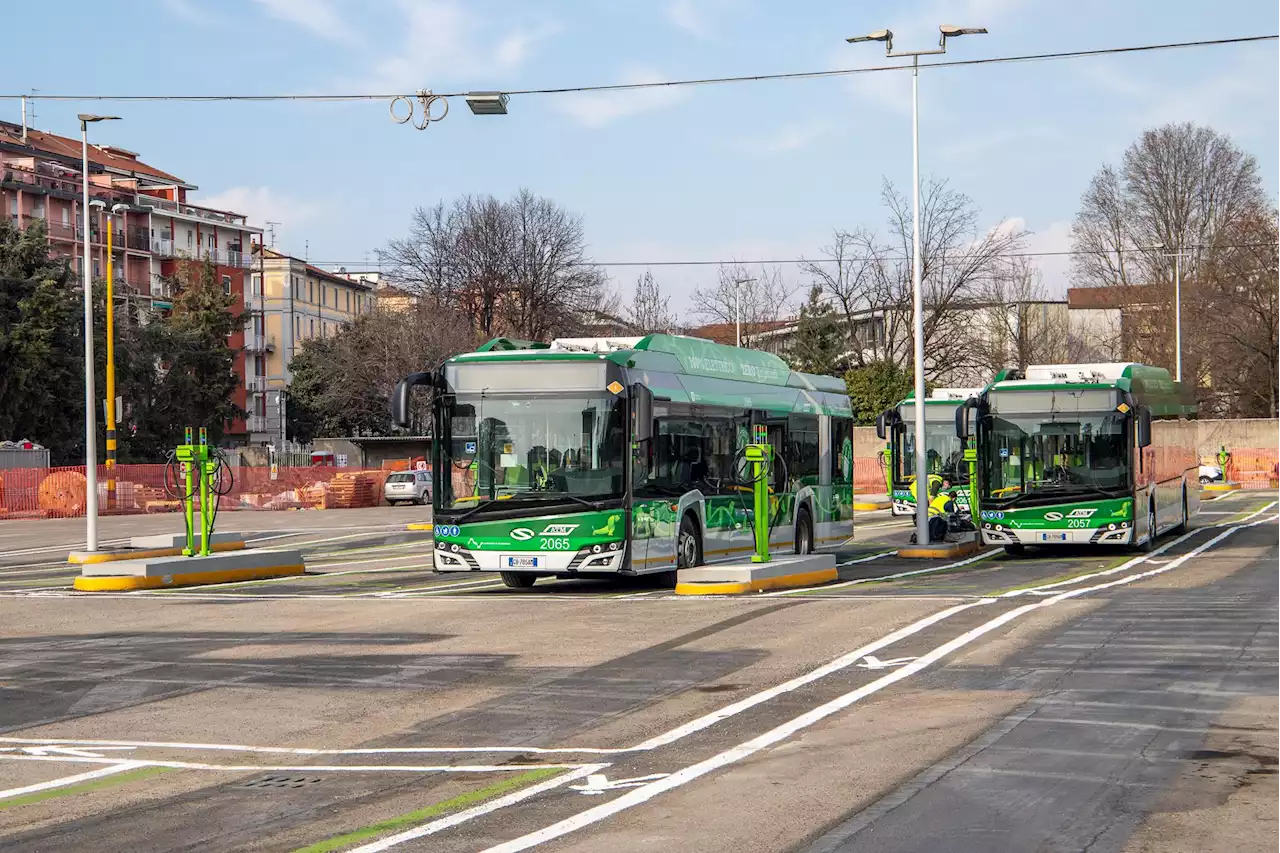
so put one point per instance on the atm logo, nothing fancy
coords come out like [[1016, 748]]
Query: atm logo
[[1080, 513], [559, 529]]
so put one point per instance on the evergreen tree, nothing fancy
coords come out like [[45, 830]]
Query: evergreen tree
[[41, 366], [817, 346], [876, 387]]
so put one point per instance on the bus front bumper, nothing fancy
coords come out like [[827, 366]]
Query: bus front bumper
[[1118, 533], [450, 557]]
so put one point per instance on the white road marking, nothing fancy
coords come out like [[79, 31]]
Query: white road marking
[[1249, 516], [68, 780], [70, 547], [477, 811], [598, 783], [873, 662], [75, 751], [865, 559], [304, 768], [931, 570], [643, 794]]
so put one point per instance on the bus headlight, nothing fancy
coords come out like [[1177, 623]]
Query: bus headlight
[[596, 548], [614, 546]]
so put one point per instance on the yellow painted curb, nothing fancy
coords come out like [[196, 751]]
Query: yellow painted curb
[[421, 525], [80, 558], [957, 549], [1221, 487], [121, 583], [870, 507], [740, 587]]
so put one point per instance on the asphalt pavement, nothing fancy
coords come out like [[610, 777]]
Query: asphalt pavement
[[1063, 700]]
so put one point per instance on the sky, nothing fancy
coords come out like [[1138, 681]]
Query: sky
[[725, 172]]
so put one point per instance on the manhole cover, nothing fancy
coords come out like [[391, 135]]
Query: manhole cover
[[280, 782]]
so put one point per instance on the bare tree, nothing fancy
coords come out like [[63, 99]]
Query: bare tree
[[1180, 185], [649, 310], [761, 295], [511, 268], [1236, 312], [1015, 324], [869, 277]]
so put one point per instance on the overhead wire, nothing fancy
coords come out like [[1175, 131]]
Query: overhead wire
[[659, 84]]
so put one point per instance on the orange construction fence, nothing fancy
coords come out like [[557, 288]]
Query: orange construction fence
[[61, 492], [1251, 467]]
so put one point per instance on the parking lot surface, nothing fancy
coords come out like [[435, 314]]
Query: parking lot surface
[[1063, 700]]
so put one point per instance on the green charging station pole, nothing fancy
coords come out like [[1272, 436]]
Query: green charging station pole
[[760, 455], [197, 469]]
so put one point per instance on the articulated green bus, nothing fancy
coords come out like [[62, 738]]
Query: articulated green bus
[[607, 457], [1087, 453], [944, 452]]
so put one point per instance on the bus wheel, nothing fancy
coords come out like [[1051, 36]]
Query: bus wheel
[[688, 546], [1017, 549], [804, 532], [1186, 516], [518, 580], [1150, 544]]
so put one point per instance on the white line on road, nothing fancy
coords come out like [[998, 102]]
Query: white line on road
[[68, 780], [477, 811], [638, 796], [1249, 516], [932, 570], [300, 768]]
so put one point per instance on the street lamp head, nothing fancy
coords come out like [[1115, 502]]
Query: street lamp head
[[89, 118], [885, 36], [98, 204], [950, 31], [487, 103], [119, 209]]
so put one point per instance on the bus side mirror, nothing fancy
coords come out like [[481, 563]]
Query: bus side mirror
[[400, 397], [880, 430], [1144, 427], [641, 412], [962, 422]]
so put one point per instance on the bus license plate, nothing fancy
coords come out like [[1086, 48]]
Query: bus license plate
[[521, 562], [1053, 537]]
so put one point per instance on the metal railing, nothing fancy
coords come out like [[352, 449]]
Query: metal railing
[[13, 173], [255, 383], [259, 343], [221, 257], [169, 206], [256, 423]]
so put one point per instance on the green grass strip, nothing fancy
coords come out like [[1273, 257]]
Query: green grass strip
[[83, 787], [1119, 561], [471, 798]]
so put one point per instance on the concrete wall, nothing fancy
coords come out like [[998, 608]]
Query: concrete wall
[[1253, 433]]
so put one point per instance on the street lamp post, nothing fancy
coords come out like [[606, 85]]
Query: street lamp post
[[90, 419], [1177, 305], [917, 297], [737, 309], [112, 414]]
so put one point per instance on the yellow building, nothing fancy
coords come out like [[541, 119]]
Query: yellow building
[[289, 301]]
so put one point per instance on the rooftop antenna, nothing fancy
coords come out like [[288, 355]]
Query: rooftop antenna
[[306, 250], [271, 233], [32, 121]]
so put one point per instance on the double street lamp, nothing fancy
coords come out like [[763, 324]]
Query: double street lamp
[[1177, 256], [90, 401], [917, 298]]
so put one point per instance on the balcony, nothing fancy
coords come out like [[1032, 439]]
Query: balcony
[[164, 205], [256, 423], [255, 384], [138, 240], [253, 305], [259, 343], [221, 257], [31, 180]]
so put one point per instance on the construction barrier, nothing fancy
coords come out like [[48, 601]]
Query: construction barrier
[[61, 492], [1251, 467]]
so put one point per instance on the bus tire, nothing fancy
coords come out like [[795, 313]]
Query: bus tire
[[688, 544], [518, 580], [1149, 544], [1186, 516], [804, 532], [1016, 549]]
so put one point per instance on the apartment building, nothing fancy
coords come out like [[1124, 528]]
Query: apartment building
[[155, 229], [293, 302]]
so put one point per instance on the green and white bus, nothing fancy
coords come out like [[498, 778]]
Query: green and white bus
[[944, 451], [1086, 453], [623, 456]]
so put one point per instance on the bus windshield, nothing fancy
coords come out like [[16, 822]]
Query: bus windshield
[[531, 448], [944, 452], [1034, 454]]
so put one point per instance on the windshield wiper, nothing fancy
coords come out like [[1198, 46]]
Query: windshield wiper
[[475, 509]]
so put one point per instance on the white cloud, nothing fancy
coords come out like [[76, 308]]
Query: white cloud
[[787, 139], [699, 17], [1055, 269], [188, 11], [319, 17], [443, 40], [596, 109], [262, 204]]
